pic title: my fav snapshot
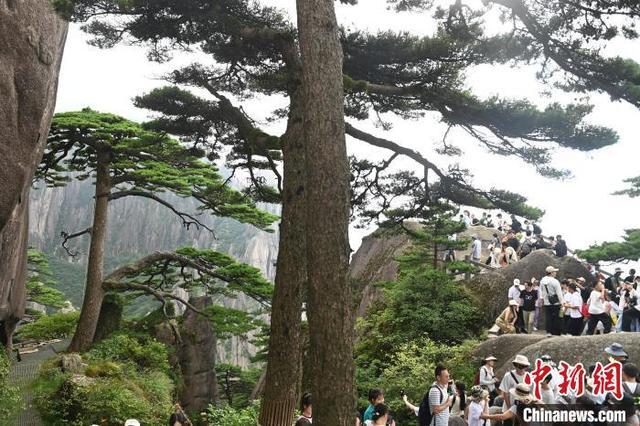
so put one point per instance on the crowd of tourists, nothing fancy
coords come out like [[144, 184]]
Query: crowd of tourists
[[494, 400], [572, 306], [513, 241]]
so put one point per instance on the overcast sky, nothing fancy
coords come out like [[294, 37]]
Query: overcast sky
[[581, 209]]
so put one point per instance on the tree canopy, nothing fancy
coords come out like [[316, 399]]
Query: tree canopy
[[142, 163], [627, 249], [254, 49]]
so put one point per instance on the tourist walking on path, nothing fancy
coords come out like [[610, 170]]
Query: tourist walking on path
[[552, 301], [487, 378], [476, 248]]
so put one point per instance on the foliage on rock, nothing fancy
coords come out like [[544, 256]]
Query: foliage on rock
[[59, 325]]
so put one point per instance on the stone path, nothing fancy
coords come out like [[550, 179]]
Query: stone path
[[23, 373]]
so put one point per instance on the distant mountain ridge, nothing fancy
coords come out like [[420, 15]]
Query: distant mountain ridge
[[138, 227]]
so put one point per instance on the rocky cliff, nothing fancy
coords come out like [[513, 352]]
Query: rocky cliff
[[31, 47], [138, 227]]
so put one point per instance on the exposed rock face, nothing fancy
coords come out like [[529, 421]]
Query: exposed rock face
[[30, 55], [195, 356], [491, 288], [138, 227], [584, 349], [374, 262]]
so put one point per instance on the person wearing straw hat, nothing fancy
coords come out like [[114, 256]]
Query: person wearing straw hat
[[521, 397], [512, 379]]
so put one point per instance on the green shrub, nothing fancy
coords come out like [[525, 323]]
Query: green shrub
[[10, 401], [55, 326], [126, 377], [141, 350], [411, 368], [228, 416]]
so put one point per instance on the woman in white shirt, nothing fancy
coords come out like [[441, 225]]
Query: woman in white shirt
[[478, 408], [598, 309], [573, 305]]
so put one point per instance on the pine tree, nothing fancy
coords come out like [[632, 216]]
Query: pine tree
[[40, 284], [129, 161], [627, 249], [255, 49]]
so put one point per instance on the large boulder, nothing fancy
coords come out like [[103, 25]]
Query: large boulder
[[491, 288], [31, 48], [375, 262], [194, 357], [584, 349]]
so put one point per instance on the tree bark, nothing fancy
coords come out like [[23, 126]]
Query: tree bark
[[31, 47], [327, 221], [283, 376], [94, 292]]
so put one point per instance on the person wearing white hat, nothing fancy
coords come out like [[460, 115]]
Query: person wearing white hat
[[486, 376], [521, 397], [506, 321], [551, 293], [512, 379], [131, 422]]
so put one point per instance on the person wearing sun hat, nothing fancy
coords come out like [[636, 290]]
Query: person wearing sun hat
[[512, 379], [615, 352], [487, 378], [521, 397], [478, 407]]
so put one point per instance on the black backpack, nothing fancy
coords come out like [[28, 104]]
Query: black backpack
[[424, 412]]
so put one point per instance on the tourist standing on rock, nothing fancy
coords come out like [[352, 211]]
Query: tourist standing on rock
[[597, 309], [516, 226], [561, 247], [501, 223], [514, 294], [631, 276], [613, 282], [466, 217], [552, 301], [476, 248], [539, 304], [511, 380], [628, 304], [306, 411], [573, 304], [529, 297]]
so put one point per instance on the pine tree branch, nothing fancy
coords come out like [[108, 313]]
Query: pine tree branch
[[66, 237], [187, 219]]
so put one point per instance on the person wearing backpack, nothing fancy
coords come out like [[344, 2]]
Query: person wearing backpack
[[436, 403], [512, 379], [553, 299]]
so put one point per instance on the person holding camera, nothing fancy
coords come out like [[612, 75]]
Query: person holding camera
[[598, 310]]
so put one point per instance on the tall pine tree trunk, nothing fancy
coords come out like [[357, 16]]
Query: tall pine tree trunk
[[93, 293], [327, 190], [284, 358], [32, 39]]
